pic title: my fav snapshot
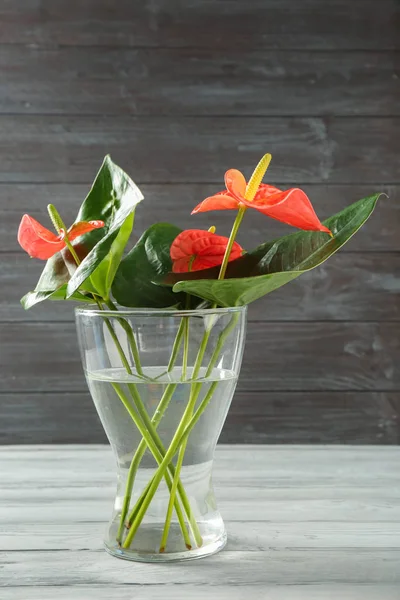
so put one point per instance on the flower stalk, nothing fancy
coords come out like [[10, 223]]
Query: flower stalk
[[141, 419], [251, 190]]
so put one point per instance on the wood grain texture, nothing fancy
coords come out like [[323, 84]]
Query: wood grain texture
[[250, 81], [254, 417], [260, 568], [246, 535], [60, 149], [278, 357], [313, 417], [177, 93], [202, 23], [303, 522], [174, 202], [305, 591], [326, 293]]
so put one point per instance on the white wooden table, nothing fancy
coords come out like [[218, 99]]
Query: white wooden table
[[304, 523]]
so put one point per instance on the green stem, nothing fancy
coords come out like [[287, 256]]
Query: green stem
[[60, 226], [175, 350], [195, 390], [172, 496], [152, 440], [176, 346], [156, 443], [251, 190], [235, 228], [183, 431], [130, 335], [185, 349], [158, 414], [141, 449], [196, 417], [175, 481], [132, 388], [220, 342], [147, 437], [159, 458], [201, 408], [139, 512], [157, 477]]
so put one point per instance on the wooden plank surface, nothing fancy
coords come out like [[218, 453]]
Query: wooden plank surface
[[177, 93], [116, 81], [59, 149], [304, 591], [345, 356], [174, 202], [245, 534], [303, 522], [65, 568], [254, 417], [202, 23]]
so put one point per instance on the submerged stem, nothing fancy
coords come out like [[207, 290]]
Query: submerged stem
[[141, 449], [158, 414], [144, 424], [157, 479], [152, 446]]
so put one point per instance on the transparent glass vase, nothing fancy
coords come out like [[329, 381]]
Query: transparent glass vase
[[162, 382]]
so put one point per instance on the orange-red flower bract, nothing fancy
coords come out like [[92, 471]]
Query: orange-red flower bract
[[292, 207], [196, 249], [42, 243]]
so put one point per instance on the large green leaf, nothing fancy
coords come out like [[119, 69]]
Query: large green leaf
[[115, 196], [148, 261], [103, 276], [112, 198], [275, 263]]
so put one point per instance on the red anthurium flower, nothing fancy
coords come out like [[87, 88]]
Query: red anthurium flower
[[290, 206], [42, 243], [196, 249]]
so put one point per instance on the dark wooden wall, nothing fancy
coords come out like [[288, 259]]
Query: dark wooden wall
[[178, 92]]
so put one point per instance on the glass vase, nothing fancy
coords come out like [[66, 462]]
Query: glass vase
[[162, 382]]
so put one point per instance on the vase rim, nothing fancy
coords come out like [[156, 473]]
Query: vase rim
[[93, 311]]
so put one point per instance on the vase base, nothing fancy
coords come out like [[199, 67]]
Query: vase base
[[164, 557]]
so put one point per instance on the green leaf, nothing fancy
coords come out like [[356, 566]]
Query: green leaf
[[32, 298], [113, 197], [52, 284], [148, 261], [103, 276], [275, 263]]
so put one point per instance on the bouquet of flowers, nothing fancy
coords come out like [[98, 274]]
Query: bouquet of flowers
[[178, 275]]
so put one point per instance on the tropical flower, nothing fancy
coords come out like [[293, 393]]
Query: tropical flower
[[196, 249], [42, 243], [289, 206]]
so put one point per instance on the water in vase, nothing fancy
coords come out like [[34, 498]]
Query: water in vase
[[174, 389]]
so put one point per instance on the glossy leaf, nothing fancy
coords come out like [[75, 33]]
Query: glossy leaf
[[147, 262], [32, 298], [103, 276], [111, 199], [114, 196], [275, 263]]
